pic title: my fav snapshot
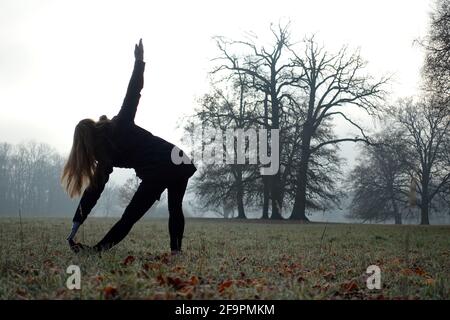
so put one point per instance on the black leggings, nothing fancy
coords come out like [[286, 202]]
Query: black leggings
[[147, 193]]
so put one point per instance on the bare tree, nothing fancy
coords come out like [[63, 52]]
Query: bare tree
[[29, 180], [427, 133], [108, 200], [223, 109], [333, 84], [5, 153], [437, 60], [380, 180], [127, 191], [270, 73]]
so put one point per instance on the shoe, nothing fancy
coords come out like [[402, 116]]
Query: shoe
[[175, 252]]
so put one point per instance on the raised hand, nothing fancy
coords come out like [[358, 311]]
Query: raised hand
[[139, 51]]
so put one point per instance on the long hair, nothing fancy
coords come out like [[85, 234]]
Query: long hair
[[79, 170]]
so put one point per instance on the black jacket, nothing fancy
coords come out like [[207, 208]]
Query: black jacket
[[121, 143]]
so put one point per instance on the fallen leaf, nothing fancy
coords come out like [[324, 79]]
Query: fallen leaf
[[110, 292], [225, 284], [151, 266], [22, 294], [419, 271], [329, 276], [322, 287], [49, 263], [194, 280], [128, 260], [160, 295], [186, 292], [349, 286], [161, 280], [177, 283], [165, 258], [407, 272]]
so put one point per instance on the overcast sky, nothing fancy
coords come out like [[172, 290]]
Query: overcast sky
[[62, 61]]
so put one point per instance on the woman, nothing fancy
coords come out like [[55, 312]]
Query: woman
[[100, 146]]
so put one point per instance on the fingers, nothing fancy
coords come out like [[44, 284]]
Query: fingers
[[78, 247], [74, 246], [139, 50]]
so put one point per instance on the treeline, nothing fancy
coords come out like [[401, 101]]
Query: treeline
[[409, 165], [301, 89], [30, 180], [406, 168], [30, 184]]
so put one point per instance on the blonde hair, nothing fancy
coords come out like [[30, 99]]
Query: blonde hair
[[79, 170]]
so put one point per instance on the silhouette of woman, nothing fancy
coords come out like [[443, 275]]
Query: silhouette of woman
[[98, 146]]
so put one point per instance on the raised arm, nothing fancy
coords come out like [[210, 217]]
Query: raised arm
[[128, 110]]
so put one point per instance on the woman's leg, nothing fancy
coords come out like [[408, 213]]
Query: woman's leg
[[146, 194], [175, 194]]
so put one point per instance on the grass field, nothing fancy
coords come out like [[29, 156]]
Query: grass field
[[226, 260]]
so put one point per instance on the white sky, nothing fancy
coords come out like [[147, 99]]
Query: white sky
[[62, 61]]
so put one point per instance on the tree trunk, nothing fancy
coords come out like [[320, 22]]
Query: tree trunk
[[397, 214], [240, 195], [275, 180], [240, 205], [424, 203], [265, 179], [276, 199], [299, 209], [424, 213], [398, 218], [226, 209], [265, 213]]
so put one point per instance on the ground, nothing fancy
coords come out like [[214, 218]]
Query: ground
[[226, 260]]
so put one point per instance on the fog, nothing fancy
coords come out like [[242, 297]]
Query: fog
[[62, 61]]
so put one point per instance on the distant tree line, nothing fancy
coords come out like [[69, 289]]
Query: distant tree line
[[30, 184], [29, 180]]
